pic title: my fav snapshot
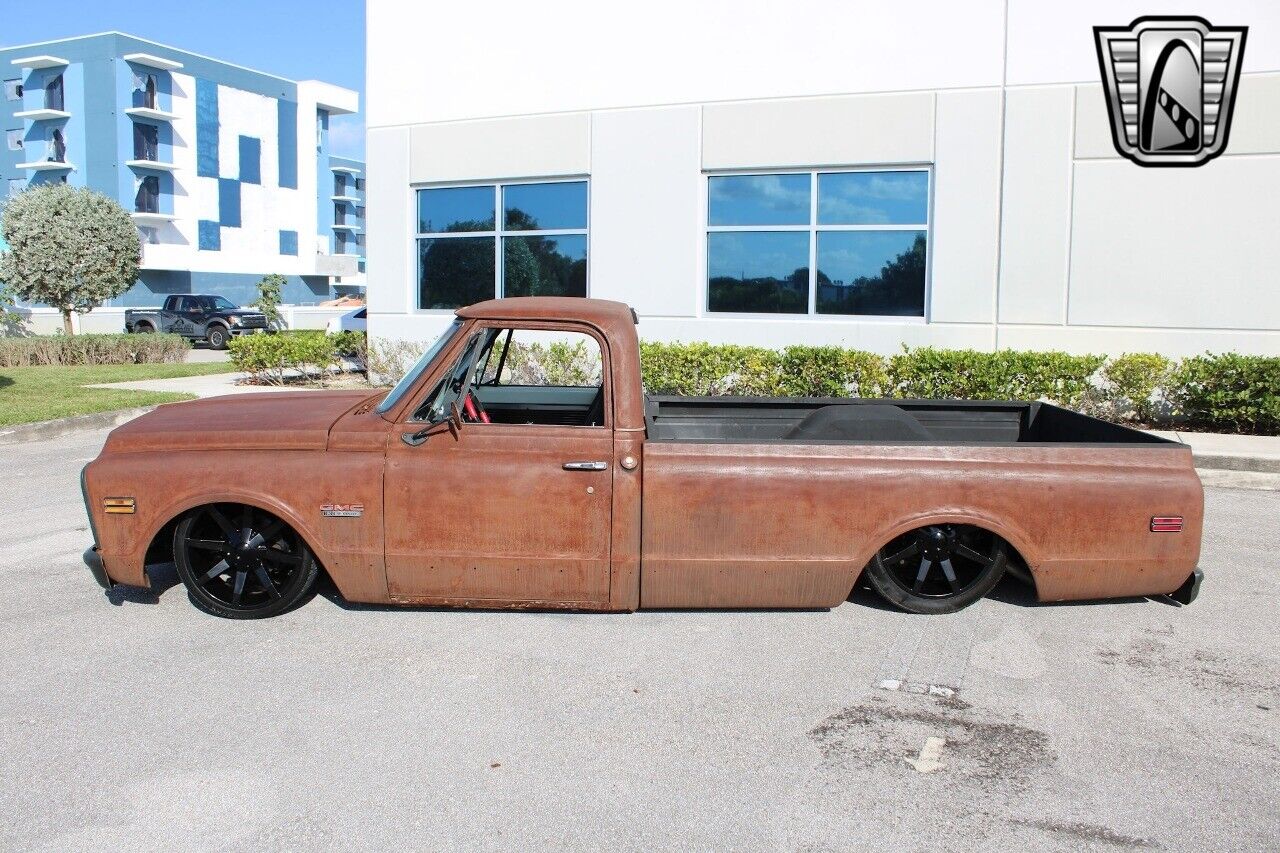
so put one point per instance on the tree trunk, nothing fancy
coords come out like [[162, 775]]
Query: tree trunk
[[66, 322]]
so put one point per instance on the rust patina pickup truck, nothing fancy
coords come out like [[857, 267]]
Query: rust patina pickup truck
[[487, 478]]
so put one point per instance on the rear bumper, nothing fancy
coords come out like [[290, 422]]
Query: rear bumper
[[93, 560], [1190, 589]]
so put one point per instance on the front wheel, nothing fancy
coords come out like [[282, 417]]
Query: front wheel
[[239, 562], [941, 568], [218, 337]]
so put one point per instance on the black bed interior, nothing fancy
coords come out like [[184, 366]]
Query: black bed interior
[[824, 420]]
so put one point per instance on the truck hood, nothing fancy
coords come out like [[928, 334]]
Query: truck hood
[[286, 420]]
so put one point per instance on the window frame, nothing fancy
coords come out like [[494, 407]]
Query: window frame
[[497, 233], [814, 228]]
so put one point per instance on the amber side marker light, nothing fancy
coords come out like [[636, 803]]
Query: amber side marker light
[[1166, 524], [118, 506]]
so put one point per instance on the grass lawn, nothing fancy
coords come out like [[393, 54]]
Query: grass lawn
[[30, 394]]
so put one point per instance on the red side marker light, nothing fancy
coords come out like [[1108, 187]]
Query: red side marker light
[[1166, 524]]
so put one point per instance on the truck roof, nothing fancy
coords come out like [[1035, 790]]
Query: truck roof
[[598, 312]]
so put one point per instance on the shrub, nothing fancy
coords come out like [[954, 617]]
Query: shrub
[[351, 345], [927, 372], [1135, 387], [92, 349], [832, 372], [270, 293], [388, 359], [275, 359], [556, 363], [1229, 391]]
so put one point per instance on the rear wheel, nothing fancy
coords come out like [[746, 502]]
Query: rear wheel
[[239, 562], [218, 337], [941, 568], [143, 328]]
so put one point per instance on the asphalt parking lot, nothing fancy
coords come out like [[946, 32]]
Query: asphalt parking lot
[[134, 721]]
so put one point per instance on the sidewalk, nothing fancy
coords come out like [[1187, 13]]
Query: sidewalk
[[213, 385], [1260, 453]]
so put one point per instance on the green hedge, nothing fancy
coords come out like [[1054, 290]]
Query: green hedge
[[275, 359], [1225, 392], [43, 350]]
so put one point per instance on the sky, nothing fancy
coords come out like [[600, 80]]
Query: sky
[[297, 39]]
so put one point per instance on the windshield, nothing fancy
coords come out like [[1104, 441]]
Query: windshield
[[411, 377], [222, 303]]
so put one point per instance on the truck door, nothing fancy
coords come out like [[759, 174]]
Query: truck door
[[513, 507], [176, 315]]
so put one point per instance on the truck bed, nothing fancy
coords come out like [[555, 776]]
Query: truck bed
[[857, 421]]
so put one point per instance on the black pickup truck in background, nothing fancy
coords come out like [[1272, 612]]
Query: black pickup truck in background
[[197, 317]]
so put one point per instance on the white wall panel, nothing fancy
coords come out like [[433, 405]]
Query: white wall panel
[[965, 236], [447, 61], [1185, 248], [530, 147], [389, 224], [864, 129], [646, 209], [1037, 204]]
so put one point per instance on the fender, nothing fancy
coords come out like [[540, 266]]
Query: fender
[[1016, 537], [260, 501]]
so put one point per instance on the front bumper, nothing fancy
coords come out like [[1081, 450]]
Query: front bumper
[[93, 560], [1190, 589]]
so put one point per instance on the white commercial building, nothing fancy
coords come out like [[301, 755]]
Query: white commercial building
[[816, 171]]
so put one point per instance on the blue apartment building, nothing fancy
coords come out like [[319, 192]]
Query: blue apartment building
[[227, 171]]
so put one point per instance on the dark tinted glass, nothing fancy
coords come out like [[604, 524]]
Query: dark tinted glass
[[455, 209], [871, 272], [544, 266], [455, 271], [873, 198], [758, 200], [758, 271], [533, 207]]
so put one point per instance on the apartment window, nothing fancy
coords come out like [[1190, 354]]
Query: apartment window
[[339, 213], [57, 147], [53, 93], [149, 92], [833, 243], [148, 198], [14, 139], [13, 90], [146, 141], [339, 184], [359, 185], [341, 243], [478, 242]]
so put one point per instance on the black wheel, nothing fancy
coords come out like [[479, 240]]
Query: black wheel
[[941, 568], [240, 562], [218, 337], [144, 328]]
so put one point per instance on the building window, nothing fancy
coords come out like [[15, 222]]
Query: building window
[[148, 198], [359, 185], [14, 139], [339, 184], [478, 242], [146, 142], [339, 213], [57, 147], [13, 90], [833, 243], [53, 93]]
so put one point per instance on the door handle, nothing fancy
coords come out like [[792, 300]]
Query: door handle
[[585, 466]]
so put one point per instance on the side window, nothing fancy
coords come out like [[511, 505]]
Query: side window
[[537, 358], [436, 406]]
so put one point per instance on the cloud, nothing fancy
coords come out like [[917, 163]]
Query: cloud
[[346, 136]]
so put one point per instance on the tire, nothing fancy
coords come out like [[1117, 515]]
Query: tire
[[940, 568], [240, 562], [217, 336], [143, 328]]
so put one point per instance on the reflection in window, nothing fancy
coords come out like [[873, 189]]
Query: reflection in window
[[871, 272], [546, 207], [758, 271], [478, 242], [148, 198], [867, 232], [455, 271], [544, 266], [455, 209]]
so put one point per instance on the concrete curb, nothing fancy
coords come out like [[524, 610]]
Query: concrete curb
[[46, 430], [1235, 462]]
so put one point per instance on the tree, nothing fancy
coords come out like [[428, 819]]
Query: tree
[[70, 248], [270, 292]]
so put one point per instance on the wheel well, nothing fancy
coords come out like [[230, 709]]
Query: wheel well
[[144, 324], [1015, 563], [160, 549]]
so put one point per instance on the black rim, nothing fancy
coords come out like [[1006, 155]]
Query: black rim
[[941, 560], [242, 557]]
